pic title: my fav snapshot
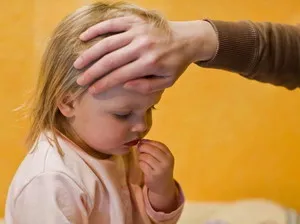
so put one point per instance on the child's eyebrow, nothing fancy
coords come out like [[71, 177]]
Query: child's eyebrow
[[125, 106], [134, 107]]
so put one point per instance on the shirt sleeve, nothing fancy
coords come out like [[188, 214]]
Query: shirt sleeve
[[162, 217], [262, 51], [51, 198]]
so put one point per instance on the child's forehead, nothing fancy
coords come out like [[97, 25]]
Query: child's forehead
[[122, 96]]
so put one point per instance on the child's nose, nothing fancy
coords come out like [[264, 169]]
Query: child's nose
[[140, 127]]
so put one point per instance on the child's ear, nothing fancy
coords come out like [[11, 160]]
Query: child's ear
[[66, 106]]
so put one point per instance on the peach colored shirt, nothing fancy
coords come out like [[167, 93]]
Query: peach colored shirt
[[77, 188]]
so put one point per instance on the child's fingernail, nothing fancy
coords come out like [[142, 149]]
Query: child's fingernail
[[139, 144]]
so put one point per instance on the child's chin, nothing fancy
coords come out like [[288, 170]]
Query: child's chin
[[122, 150]]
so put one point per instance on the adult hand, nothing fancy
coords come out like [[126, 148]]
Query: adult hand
[[143, 57]]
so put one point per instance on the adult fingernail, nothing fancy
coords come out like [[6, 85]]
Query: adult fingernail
[[127, 86], [80, 80], [130, 86], [83, 35], [78, 63], [92, 90]]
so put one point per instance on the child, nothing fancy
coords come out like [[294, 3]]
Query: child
[[82, 166]]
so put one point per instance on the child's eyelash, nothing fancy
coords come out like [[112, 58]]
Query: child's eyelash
[[125, 116]]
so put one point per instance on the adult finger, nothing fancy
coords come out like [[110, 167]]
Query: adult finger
[[149, 85], [114, 25], [101, 48], [120, 75], [108, 64]]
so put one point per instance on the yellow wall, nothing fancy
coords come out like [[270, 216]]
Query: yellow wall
[[232, 138], [16, 72]]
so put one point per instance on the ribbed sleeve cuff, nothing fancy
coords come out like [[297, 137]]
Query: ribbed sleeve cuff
[[237, 49]]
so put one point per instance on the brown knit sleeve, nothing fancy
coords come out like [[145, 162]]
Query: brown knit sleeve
[[265, 52]]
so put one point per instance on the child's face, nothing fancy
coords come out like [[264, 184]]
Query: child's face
[[109, 120]]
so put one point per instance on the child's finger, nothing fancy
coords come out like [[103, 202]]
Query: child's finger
[[150, 160], [152, 150], [146, 168], [159, 145]]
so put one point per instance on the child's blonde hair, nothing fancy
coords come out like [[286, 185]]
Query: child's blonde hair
[[57, 76]]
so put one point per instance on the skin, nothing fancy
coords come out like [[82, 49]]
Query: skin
[[108, 120], [142, 57]]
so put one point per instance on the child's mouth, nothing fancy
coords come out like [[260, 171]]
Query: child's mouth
[[132, 143]]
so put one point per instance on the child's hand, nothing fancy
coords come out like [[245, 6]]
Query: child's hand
[[157, 163]]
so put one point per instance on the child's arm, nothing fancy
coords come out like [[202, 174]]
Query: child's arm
[[169, 216], [162, 195], [51, 198]]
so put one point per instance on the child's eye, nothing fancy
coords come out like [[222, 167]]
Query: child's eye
[[123, 116]]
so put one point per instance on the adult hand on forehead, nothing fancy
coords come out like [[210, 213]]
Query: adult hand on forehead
[[143, 57]]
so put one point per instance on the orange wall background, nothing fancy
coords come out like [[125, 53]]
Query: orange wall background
[[232, 138]]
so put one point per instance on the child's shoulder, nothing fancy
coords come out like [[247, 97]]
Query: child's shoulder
[[45, 161]]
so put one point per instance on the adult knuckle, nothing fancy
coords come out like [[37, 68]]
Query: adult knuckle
[[147, 88], [110, 23], [108, 62], [145, 42], [152, 60]]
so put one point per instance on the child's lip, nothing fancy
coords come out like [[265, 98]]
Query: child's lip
[[132, 143]]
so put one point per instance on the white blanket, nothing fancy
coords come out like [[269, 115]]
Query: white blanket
[[239, 212]]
